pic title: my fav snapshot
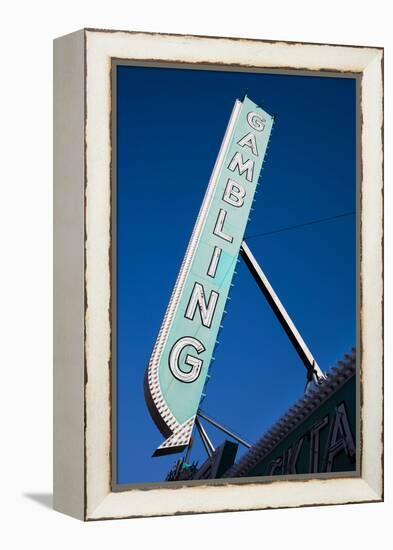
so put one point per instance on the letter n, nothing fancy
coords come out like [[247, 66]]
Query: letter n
[[206, 310]]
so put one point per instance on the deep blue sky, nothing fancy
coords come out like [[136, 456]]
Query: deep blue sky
[[170, 123]]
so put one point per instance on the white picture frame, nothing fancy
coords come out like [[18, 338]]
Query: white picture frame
[[82, 269]]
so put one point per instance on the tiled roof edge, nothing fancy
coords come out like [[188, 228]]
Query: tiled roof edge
[[295, 415]]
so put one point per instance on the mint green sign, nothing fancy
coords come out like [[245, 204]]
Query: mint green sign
[[182, 354]]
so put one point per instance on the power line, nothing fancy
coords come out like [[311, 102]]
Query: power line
[[321, 220]]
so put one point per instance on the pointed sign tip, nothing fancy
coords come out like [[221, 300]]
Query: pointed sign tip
[[178, 441]]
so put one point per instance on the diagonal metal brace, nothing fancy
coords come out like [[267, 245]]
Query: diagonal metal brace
[[209, 447], [313, 370], [227, 431]]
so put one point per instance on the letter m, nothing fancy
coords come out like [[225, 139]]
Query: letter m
[[248, 166]]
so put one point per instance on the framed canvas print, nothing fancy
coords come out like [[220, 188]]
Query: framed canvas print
[[218, 338]]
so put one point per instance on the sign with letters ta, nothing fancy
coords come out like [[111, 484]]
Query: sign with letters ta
[[179, 365]]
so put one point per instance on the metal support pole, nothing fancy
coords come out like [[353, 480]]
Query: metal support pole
[[223, 429], [205, 438], [313, 370], [189, 447]]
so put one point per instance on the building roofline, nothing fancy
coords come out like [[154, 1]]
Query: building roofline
[[295, 416]]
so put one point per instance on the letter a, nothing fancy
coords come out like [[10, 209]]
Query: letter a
[[249, 141]]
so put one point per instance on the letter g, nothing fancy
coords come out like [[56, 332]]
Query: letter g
[[193, 362]]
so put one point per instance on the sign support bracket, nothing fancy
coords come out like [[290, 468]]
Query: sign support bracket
[[224, 429], [209, 447], [313, 370]]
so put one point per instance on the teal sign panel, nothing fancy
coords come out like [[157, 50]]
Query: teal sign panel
[[181, 357]]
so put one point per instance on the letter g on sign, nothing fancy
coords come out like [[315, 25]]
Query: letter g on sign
[[193, 362], [256, 121]]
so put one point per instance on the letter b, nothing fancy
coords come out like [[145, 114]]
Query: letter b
[[234, 193]]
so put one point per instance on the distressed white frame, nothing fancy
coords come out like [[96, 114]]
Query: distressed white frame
[[82, 473]]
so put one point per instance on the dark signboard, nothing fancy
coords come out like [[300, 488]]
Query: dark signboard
[[324, 442], [318, 434]]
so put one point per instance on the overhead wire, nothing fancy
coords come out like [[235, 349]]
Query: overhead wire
[[297, 226]]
